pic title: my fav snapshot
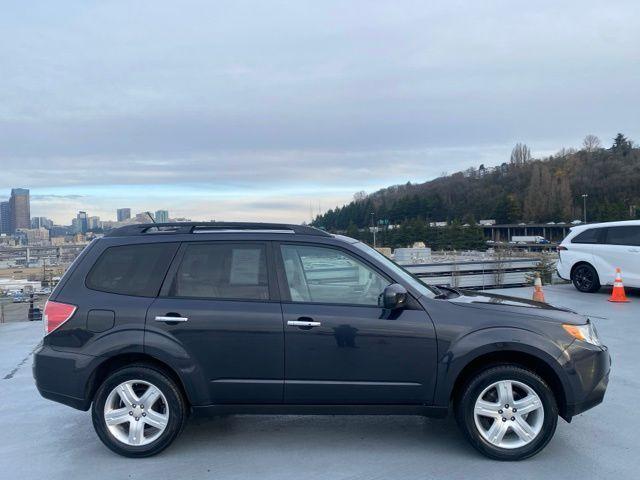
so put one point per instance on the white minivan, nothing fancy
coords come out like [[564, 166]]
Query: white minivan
[[590, 254]]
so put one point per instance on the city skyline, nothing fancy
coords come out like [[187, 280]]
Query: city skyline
[[15, 215]]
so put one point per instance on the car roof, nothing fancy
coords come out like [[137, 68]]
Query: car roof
[[215, 227], [622, 223]]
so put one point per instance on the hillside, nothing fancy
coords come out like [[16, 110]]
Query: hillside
[[523, 190]]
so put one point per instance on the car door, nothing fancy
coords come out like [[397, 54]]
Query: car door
[[621, 249], [219, 304], [340, 346]]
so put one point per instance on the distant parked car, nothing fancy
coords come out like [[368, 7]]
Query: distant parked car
[[590, 254], [35, 315]]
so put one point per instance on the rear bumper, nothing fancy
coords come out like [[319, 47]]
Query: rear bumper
[[562, 272], [589, 374], [62, 377]]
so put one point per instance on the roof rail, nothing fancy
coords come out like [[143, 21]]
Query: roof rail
[[214, 227]]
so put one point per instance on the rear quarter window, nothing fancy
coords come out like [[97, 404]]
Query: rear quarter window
[[136, 270], [593, 235]]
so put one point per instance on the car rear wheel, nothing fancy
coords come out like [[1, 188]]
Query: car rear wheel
[[138, 411], [585, 278], [507, 412]]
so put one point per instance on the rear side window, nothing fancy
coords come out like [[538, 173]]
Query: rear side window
[[623, 235], [593, 235], [222, 271], [136, 270]]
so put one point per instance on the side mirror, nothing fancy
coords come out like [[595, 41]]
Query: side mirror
[[394, 296]]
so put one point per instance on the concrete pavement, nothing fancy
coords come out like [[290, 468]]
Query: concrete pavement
[[40, 439]]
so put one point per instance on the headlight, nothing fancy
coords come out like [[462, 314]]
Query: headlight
[[586, 333]]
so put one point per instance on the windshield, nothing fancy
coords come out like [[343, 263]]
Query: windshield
[[408, 277]]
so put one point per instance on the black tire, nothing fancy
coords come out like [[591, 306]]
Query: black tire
[[175, 404], [585, 278], [465, 404]]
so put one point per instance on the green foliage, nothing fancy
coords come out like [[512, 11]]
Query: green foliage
[[523, 191], [451, 237], [545, 267]]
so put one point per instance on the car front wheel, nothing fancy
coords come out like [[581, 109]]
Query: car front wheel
[[507, 412], [138, 411]]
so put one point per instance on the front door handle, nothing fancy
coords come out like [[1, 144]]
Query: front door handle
[[302, 323], [169, 318]]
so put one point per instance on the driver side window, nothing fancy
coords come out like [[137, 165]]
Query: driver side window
[[328, 275]]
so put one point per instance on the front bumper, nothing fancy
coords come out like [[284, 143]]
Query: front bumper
[[588, 371]]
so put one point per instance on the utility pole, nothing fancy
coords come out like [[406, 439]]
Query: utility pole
[[584, 206]]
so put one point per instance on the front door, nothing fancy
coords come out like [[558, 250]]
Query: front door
[[621, 250], [225, 319], [340, 346]]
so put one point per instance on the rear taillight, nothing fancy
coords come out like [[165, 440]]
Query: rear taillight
[[55, 314]]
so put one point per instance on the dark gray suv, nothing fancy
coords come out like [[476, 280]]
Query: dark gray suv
[[155, 322]]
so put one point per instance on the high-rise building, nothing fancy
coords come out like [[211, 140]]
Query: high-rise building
[[124, 214], [41, 222], [162, 216], [82, 222], [20, 209], [5, 217], [94, 223]]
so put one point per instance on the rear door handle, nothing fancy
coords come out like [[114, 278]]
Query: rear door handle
[[301, 323], [161, 318]]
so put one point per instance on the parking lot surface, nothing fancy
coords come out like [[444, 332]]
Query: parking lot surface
[[17, 312], [42, 440]]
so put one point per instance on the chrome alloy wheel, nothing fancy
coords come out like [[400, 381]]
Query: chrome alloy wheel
[[509, 414], [136, 412]]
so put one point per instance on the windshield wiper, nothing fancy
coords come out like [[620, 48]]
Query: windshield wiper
[[446, 287]]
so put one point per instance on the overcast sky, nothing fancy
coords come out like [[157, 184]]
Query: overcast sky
[[260, 110]]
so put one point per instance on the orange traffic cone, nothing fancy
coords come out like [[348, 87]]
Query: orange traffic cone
[[618, 295], [538, 294]]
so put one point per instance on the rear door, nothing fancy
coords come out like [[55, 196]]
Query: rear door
[[340, 346], [219, 304]]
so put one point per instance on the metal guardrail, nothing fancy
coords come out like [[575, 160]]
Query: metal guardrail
[[476, 274]]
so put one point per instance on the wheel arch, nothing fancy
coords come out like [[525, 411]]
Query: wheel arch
[[519, 358], [117, 362]]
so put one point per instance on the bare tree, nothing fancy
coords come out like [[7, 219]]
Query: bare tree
[[591, 143], [359, 196], [565, 152], [520, 154]]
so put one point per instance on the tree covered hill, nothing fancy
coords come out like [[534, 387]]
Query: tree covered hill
[[523, 190]]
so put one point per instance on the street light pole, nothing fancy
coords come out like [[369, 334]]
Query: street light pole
[[373, 229], [584, 206]]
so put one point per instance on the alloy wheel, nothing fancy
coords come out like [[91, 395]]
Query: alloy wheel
[[509, 414], [136, 412], [584, 278]]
